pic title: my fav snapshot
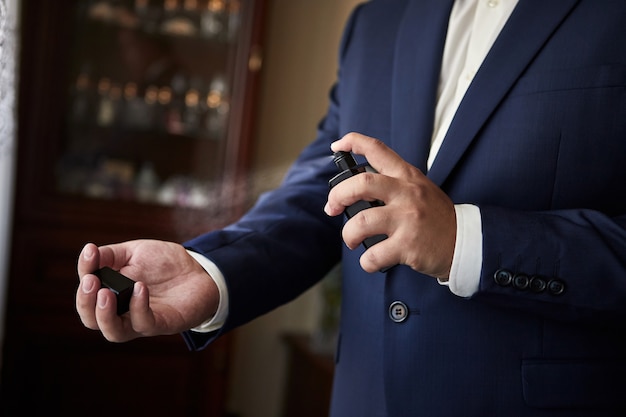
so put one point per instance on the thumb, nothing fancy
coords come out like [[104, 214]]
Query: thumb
[[89, 260]]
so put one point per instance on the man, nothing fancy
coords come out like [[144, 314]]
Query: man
[[497, 129]]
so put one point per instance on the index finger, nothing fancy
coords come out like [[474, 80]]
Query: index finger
[[381, 157]]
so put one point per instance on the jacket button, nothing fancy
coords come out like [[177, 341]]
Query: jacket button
[[503, 277], [398, 311], [556, 287], [537, 284], [521, 281]]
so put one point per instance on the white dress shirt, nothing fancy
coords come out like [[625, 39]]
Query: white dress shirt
[[473, 27]]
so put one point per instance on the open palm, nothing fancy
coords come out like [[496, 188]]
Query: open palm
[[172, 292]]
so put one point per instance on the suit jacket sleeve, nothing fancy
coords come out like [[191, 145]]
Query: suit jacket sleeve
[[285, 243]]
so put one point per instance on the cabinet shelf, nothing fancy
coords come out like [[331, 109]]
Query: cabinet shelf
[[209, 20]]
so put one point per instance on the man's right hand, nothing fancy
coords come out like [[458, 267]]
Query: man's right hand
[[172, 293]]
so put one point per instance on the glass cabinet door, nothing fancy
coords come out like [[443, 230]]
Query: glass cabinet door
[[134, 121], [153, 102]]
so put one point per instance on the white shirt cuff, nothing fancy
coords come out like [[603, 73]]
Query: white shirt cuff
[[217, 321], [464, 277]]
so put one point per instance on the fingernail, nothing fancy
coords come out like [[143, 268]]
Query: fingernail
[[102, 300], [327, 209], [87, 285], [88, 252], [136, 290]]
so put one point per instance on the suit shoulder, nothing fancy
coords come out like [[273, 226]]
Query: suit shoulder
[[376, 17], [381, 10]]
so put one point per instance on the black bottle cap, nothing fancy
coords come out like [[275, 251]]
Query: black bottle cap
[[344, 160]]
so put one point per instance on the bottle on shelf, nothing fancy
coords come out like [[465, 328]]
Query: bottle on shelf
[[136, 114], [82, 97], [164, 100], [192, 112], [213, 19], [105, 116], [175, 113], [151, 101], [218, 107], [147, 184]]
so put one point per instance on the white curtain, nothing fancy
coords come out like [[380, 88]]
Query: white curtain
[[8, 58]]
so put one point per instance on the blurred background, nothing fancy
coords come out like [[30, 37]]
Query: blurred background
[[124, 119]]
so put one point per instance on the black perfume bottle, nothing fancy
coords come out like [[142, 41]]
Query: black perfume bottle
[[121, 285], [348, 167]]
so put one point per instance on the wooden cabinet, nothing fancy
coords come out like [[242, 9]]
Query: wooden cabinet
[[135, 121]]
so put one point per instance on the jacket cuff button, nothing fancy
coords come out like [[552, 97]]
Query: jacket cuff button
[[503, 277], [538, 284], [556, 287], [521, 281]]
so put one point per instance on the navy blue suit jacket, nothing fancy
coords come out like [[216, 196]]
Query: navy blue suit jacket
[[539, 144]]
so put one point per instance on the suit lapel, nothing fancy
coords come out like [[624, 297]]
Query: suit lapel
[[530, 25], [419, 50]]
